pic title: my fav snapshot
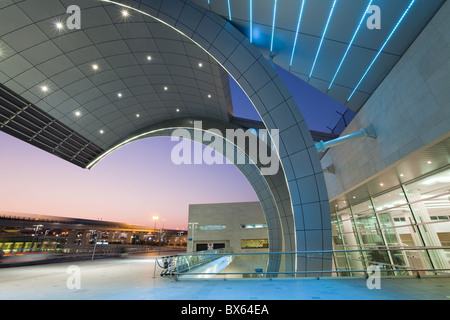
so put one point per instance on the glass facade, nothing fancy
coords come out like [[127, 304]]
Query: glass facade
[[404, 228]]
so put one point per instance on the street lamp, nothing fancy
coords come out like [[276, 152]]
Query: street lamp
[[155, 218]]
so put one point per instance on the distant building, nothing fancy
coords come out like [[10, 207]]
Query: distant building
[[239, 227], [21, 232]]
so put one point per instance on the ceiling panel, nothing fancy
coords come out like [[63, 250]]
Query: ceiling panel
[[344, 21]]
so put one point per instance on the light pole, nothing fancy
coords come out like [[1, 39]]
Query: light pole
[[155, 218], [159, 241], [95, 242], [34, 235]]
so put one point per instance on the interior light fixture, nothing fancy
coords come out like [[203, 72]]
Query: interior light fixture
[[119, 95], [44, 88], [178, 110], [251, 21], [125, 13], [381, 184], [429, 162], [209, 96], [166, 88], [200, 64], [78, 113], [102, 132], [297, 31], [229, 10], [149, 58], [95, 66], [138, 115], [323, 37], [275, 3]]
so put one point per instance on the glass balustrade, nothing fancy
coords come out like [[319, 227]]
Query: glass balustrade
[[222, 264]]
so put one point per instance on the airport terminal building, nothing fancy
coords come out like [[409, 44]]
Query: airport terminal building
[[375, 190]]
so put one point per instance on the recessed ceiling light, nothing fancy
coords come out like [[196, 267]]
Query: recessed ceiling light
[[401, 174], [77, 113], [200, 64], [209, 96], [102, 132], [95, 66], [354, 197], [44, 88], [429, 162], [138, 115], [59, 25], [381, 184], [119, 95], [166, 88], [149, 58], [178, 110], [125, 13]]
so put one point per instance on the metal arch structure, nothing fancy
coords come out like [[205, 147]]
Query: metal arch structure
[[80, 115], [266, 187], [306, 194]]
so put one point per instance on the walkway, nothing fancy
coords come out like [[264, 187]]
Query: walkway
[[132, 279]]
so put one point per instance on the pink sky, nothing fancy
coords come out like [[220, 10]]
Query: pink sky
[[131, 185]]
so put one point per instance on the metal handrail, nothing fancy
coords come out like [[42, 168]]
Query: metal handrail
[[326, 254], [391, 248], [366, 272]]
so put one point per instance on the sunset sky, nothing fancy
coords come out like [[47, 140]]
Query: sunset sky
[[139, 180]]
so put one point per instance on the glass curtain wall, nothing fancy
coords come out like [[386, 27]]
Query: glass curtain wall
[[404, 228]]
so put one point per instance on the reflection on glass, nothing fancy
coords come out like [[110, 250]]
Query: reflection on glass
[[397, 229]]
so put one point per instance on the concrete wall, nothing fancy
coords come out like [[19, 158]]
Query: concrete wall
[[410, 109], [233, 215]]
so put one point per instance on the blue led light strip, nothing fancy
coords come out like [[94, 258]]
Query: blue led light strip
[[251, 21], [229, 10], [273, 23], [296, 32], [381, 50], [323, 37], [350, 45]]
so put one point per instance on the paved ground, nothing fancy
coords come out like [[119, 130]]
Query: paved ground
[[132, 279]]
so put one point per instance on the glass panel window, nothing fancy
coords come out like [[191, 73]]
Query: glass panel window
[[253, 226], [362, 208], [212, 227], [430, 204]]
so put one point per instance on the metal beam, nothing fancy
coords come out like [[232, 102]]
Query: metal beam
[[367, 132]]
